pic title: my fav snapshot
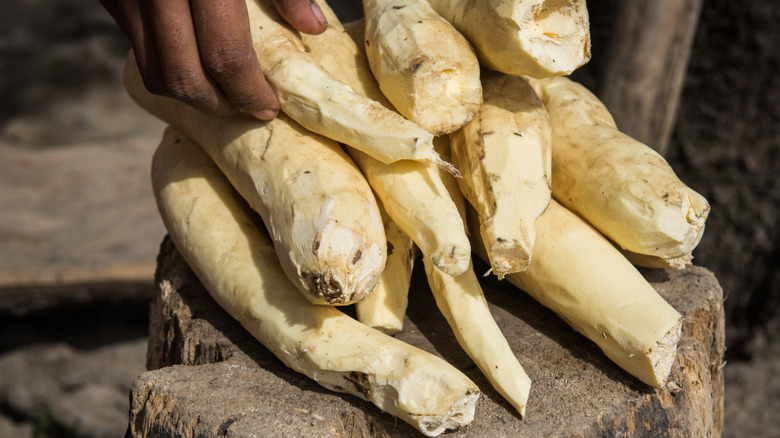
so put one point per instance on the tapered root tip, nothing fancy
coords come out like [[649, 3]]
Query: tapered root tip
[[452, 261]]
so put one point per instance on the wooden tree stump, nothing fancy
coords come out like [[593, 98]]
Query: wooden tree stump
[[211, 378]]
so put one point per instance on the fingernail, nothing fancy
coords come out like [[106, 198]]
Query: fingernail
[[266, 114], [315, 9]]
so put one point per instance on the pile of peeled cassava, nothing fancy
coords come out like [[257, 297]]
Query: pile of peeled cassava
[[443, 125]]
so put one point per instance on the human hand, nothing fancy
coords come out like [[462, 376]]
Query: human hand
[[200, 51]]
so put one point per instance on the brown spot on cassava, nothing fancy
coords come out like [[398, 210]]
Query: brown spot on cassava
[[500, 240], [324, 286], [358, 255], [360, 382], [399, 7], [417, 63], [389, 248], [316, 246]]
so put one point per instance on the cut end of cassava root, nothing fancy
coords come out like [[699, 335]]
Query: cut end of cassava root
[[505, 261], [554, 33], [453, 260], [461, 414], [664, 353], [538, 38]]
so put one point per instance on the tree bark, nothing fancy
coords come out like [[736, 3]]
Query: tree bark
[[645, 66], [211, 378]]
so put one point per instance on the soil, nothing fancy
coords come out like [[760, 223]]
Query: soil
[[61, 90]]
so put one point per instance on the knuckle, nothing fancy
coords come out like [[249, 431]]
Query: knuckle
[[228, 59], [189, 87]]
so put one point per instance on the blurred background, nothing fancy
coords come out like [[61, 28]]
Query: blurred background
[[699, 80]]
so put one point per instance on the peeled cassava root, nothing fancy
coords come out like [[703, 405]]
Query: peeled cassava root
[[219, 238], [329, 235], [622, 187], [385, 307], [423, 65], [462, 302], [592, 287], [325, 105], [538, 38], [504, 157]]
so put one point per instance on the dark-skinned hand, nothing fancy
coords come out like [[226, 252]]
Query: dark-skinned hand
[[200, 51]]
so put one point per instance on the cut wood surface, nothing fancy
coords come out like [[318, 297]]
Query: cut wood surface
[[210, 378]]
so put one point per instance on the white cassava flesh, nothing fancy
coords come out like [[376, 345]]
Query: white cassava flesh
[[581, 276], [325, 105], [411, 192], [423, 65], [462, 302], [504, 157], [319, 210], [622, 187], [384, 308], [538, 38], [221, 241]]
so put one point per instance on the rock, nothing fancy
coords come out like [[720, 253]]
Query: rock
[[81, 392], [10, 428], [210, 378]]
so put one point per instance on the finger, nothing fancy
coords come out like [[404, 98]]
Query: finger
[[130, 18], [182, 72], [116, 13], [303, 15], [225, 44]]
